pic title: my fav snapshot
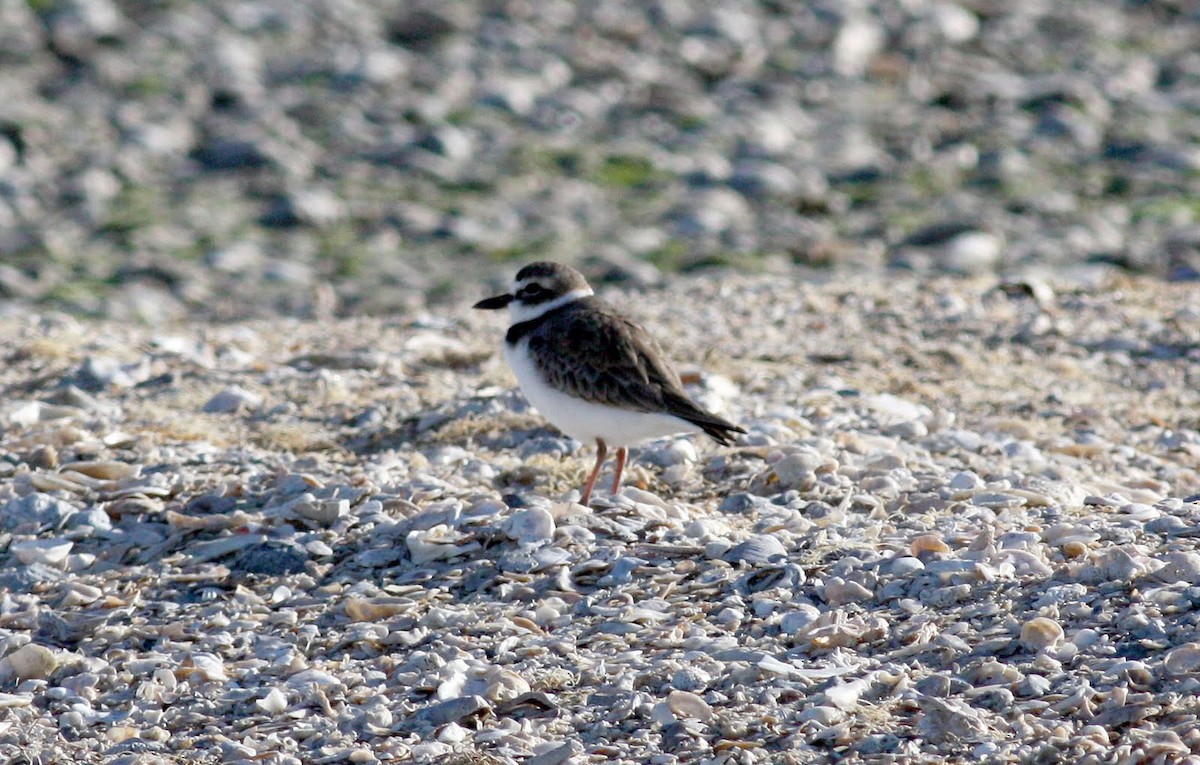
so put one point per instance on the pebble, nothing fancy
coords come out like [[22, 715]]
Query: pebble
[[233, 399], [37, 511], [1040, 633], [756, 550], [46, 552], [274, 702], [685, 704], [532, 526], [29, 662], [927, 543], [387, 592]]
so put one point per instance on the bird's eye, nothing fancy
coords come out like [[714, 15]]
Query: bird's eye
[[531, 291]]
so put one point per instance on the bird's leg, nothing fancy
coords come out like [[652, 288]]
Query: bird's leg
[[601, 451], [622, 453]]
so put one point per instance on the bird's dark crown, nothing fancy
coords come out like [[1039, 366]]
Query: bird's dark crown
[[544, 281]]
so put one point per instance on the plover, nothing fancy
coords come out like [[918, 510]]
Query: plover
[[594, 374]]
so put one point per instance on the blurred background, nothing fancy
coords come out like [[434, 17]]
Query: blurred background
[[236, 158]]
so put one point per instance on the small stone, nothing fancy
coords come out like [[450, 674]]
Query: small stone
[[905, 565], [797, 471], [532, 526], [686, 704], [1041, 632], [274, 702], [31, 662], [106, 470], [1181, 566], [928, 543], [690, 679], [795, 621], [323, 512], [40, 511], [758, 549], [371, 610], [1183, 660], [1074, 549], [554, 754], [452, 733], [233, 399], [46, 552], [839, 592], [454, 710]]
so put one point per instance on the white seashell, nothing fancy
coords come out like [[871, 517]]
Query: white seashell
[[822, 715], [452, 733], [928, 543], [105, 470], [679, 451], [119, 439], [1025, 563], [1041, 632], [80, 594], [661, 714], [233, 399], [183, 522], [437, 543], [206, 666], [1183, 660], [452, 686], [12, 700], [839, 592], [532, 526], [56, 482], [846, 695], [121, 733], [31, 662], [375, 609], [33, 412], [48, 552], [504, 684], [274, 702], [686, 704]]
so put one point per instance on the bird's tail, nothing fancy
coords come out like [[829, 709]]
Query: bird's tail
[[720, 430]]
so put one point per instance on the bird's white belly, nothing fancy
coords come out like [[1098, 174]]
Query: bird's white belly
[[584, 420]]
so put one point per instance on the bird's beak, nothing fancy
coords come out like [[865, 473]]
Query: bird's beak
[[494, 303]]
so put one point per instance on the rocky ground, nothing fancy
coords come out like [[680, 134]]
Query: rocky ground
[[267, 494], [162, 159], [962, 525]]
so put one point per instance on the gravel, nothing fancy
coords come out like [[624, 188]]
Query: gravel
[[230, 159], [267, 494], [962, 524]]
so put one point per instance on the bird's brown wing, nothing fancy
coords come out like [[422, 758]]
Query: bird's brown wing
[[591, 352]]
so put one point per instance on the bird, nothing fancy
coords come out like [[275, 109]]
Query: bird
[[594, 373]]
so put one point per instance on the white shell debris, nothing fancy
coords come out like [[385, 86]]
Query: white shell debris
[[47, 552], [233, 399], [532, 526], [274, 702], [29, 662], [437, 543], [685, 704], [377, 561]]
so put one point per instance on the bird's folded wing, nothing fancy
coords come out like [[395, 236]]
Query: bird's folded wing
[[602, 357]]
